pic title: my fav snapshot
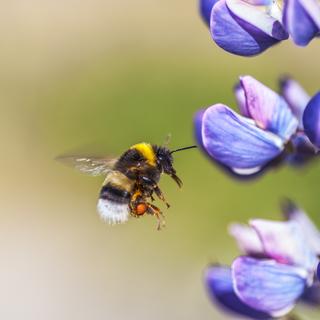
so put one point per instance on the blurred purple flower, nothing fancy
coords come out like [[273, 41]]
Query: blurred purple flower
[[205, 7], [249, 27], [220, 288], [268, 131], [301, 19], [296, 97], [244, 29], [311, 120], [307, 110], [246, 143], [278, 268]]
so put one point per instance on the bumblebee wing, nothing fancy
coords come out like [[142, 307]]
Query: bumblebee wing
[[113, 212], [94, 166]]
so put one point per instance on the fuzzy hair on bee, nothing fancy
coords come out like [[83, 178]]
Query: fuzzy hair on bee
[[131, 181]]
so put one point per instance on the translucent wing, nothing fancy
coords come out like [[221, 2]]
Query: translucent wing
[[94, 166]]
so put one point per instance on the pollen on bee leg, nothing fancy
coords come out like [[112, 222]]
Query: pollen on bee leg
[[141, 209]]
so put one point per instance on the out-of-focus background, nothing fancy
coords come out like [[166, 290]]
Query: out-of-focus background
[[112, 73]]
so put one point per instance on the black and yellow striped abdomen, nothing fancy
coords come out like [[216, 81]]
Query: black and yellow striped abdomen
[[117, 188]]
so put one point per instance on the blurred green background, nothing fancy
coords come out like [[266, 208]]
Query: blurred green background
[[109, 74]]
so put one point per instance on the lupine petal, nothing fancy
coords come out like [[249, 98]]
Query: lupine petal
[[198, 135], [235, 141], [243, 29], [285, 242], [275, 11], [267, 285], [318, 271], [258, 18], [295, 96], [241, 100], [247, 239], [198, 126], [259, 2], [205, 9], [301, 19], [219, 283], [311, 120], [268, 109], [312, 7], [310, 231]]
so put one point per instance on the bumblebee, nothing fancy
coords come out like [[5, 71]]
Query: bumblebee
[[131, 181]]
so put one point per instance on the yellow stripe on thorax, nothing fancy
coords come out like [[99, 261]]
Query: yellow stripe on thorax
[[147, 152]]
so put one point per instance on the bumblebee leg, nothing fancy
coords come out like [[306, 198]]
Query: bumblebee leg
[[158, 214], [160, 195], [154, 188], [132, 206]]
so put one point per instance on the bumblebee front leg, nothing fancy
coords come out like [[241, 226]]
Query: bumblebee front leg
[[160, 195], [154, 188]]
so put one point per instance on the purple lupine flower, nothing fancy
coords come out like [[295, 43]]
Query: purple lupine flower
[[205, 7], [311, 120], [220, 289], [312, 235], [307, 110], [271, 129], [249, 27], [278, 268], [301, 19], [244, 29], [248, 142], [296, 97]]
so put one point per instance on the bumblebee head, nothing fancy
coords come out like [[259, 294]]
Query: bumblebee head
[[165, 160]]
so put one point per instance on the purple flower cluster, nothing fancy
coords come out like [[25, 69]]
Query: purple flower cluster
[[280, 263], [277, 270], [271, 129], [249, 27]]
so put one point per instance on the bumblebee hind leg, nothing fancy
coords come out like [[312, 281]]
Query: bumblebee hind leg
[[161, 223]]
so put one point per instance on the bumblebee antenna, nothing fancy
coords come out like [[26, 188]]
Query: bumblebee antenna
[[185, 148]]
